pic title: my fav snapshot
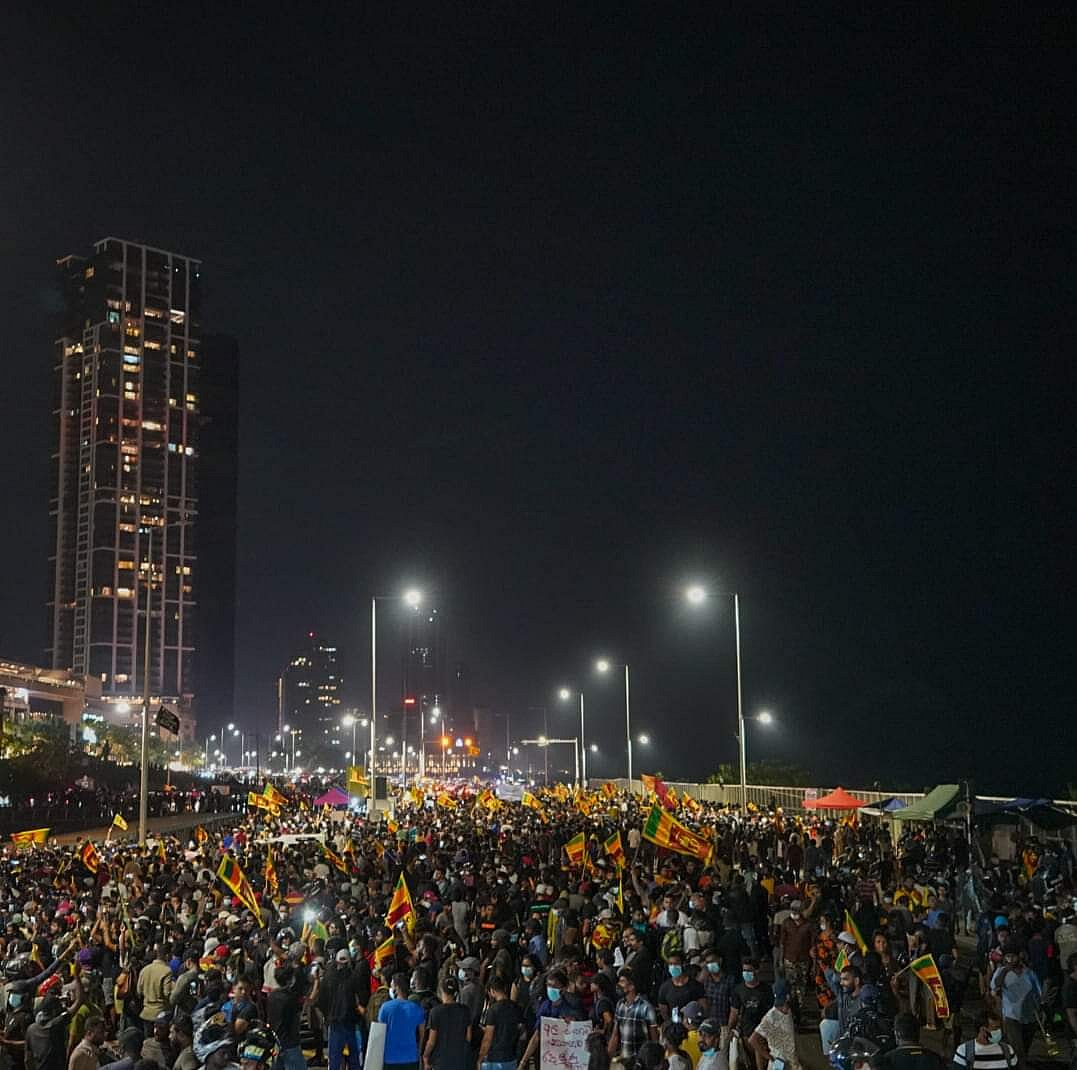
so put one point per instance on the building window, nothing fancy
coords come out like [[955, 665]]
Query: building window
[[113, 317], [125, 564], [177, 315], [89, 272]]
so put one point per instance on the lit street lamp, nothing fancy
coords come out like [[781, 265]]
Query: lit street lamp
[[412, 598], [565, 694], [604, 665], [644, 739], [696, 596]]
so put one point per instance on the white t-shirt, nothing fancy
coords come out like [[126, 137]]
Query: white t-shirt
[[985, 1056]]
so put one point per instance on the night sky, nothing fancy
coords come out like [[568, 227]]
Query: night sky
[[550, 312]]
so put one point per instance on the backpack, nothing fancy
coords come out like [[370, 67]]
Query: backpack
[[968, 1053], [672, 944]]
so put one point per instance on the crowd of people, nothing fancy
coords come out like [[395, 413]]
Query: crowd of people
[[461, 921]]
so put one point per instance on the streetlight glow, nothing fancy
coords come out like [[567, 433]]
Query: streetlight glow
[[695, 594], [347, 721], [644, 739], [765, 717], [564, 694], [602, 665], [594, 748], [413, 597]]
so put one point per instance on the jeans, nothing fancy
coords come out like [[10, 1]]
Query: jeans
[[290, 1059], [509, 1065], [829, 1031], [339, 1036]]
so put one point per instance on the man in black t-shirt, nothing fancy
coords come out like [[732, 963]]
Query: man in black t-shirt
[[501, 1028], [751, 999], [909, 1053], [283, 1011]]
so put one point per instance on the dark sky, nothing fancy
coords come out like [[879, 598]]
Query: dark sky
[[550, 311]]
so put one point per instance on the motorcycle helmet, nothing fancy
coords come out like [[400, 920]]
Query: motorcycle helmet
[[258, 1046]]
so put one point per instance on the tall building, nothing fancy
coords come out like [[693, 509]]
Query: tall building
[[126, 470], [310, 700], [215, 658]]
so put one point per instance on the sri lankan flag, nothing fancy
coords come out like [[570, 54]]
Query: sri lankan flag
[[614, 849], [392, 826], [89, 857], [314, 930], [924, 967], [583, 804], [666, 831], [161, 856], [333, 857], [650, 784], [446, 801], [275, 798], [272, 884], [532, 803], [30, 837], [232, 877], [576, 848], [852, 929], [841, 960], [418, 796], [560, 792], [384, 953], [118, 821], [400, 906], [609, 790], [691, 804], [200, 835]]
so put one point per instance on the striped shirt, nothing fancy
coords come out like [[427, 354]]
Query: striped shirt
[[977, 1056]]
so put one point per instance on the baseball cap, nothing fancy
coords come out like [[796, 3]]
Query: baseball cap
[[711, 1026]]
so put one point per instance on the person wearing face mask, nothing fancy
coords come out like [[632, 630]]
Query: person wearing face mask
[[717, 995], [987, 1050], [404, 1026], [557, 1003], [471, 993], [678, 990], [751, 999], [710, 1053], [796, 937]]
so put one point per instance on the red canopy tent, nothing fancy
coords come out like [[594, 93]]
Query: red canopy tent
[[838, 799]]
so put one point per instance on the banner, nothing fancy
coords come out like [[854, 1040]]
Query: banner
[[924, 967], [564, 1044]]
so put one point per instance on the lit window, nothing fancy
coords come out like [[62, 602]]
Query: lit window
[[177, 315], [89, 272], [106, 592], [189, 451], [153, 313], [133, 350], [113, 317], [172, 447], [125, 564], [121, 678], [148, 344], [151, 425], [130, 359], [192, 397], [131, 330], [123, 592]]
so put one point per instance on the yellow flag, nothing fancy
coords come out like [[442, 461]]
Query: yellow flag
[[119, 822]]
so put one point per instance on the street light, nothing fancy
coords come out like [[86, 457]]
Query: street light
[[696, 595], [545, 741], [764, 717], [644, 739], [412, 597], [604, 665], [565, 694], [352, 722]]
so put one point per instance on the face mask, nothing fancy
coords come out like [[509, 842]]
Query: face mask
[[527, 971], [461, 975], [676, 971], [995, 1036], [15, 999], [714, 967], [748, 975], [707, 1051], [639, 926], [553, 994]]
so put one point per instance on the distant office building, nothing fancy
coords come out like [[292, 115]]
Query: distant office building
[[423, 659], [215, 658], [126, 470], [310, 694]]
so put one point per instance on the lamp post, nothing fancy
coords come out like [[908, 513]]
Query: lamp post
[[696, 596], [565, 694], [604, 665], [413, 598], [543, 742]]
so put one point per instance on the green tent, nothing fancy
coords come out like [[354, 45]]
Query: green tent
[[937, 805]]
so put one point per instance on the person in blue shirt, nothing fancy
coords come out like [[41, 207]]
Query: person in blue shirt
[[557, 1003], [404, 1022]]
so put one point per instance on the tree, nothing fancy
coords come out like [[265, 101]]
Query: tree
[[771, 773]]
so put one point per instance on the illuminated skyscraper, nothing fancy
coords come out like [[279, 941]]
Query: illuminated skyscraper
[[124, 507], [311, 698]]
